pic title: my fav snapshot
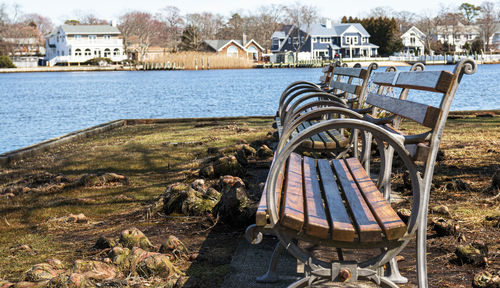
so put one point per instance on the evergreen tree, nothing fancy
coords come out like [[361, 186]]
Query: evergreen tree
[[190, 39]]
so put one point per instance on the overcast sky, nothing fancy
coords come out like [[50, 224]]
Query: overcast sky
[[60, 10]]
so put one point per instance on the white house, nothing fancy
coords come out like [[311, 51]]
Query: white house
[[413, 42], [457, 35], [79, 43]]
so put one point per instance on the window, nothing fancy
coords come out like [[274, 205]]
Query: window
[[69, 52], [107, 52], [295, 40], [92, 37], [471, 36], [88, 52], [457, 36], [289, 40], [78, 37], [275, 42], [253, 51], [324, 40], [116, 52], [351, 40], [106, 37], [232, 51], [412, 40], [78, 52], [314, 40]]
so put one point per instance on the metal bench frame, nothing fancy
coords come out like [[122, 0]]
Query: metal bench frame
[[371, 269]]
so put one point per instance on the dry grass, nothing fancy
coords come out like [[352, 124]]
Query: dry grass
[[203, 60]]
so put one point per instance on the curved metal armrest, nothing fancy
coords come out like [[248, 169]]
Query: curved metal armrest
[[294, 86], [286, 110], [419, 138]]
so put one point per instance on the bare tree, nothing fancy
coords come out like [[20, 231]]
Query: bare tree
[[43, 24], [140, 29], [207, 24], [427, 24], [405, 20], [300, 17], [381, 11], [174, 24], [268, 20], [487, 21]]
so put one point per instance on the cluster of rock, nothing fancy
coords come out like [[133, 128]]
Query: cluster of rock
[[50, 183], [132, 255], [221, 191]]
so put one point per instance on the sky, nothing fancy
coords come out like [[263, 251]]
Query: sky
[[61, 10]]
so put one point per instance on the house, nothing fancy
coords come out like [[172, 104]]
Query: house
[[413, 42], [236, 48], [322, 41], [457, 35], [79, 43]]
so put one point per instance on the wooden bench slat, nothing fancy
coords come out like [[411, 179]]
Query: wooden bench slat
[[386, 217], [316, 222], [434, 81], [318, 143], [366, 224], [293, 208], [346, 87], [342, 228], [353, 72], [421, 113]]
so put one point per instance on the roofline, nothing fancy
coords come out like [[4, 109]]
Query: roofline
[[233, 41], [255, 42]]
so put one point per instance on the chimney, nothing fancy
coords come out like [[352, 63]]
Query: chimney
[[244, 39], [328, 24], [112, 23]]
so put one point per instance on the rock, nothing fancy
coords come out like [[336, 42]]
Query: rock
[[244, 153], [25, 284], [133, 237], [228, 165], [227, 182], [199, 185], [264, 152], [486, 280], [44, 271], [79, 218], [119, 257], [149, 264], [235, 208], [5, 284], [174, 247], [86, 272], [213, 194], [404, 214], [441, 209], [104, 242], [475, 254], [179, 198], [91, 180], [444, 227], [207, 171]]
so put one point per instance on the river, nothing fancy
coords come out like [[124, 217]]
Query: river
[[39, 106]]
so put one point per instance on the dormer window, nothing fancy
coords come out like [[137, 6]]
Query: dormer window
[[106, 37], [78, 37], [92, 37]]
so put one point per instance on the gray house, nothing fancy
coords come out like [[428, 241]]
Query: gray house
[[322, 41]]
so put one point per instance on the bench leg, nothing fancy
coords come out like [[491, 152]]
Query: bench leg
[[393, 274], [271, 276], [421, 257]]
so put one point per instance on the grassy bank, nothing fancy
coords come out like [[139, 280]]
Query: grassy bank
[[152, 156]]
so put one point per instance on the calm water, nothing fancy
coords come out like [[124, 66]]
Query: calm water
[[39, 106]]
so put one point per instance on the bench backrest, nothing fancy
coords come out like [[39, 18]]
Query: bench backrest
[[352, 83]]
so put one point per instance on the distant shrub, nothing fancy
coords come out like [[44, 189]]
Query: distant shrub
[[99, 61], [5, 62], [129, 62]]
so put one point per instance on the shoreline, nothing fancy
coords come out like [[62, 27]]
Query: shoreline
[[122, 68], [37, 148]]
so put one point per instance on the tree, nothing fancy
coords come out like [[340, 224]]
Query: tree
[[267, 21], [140, 28], [487, 21], [207, 24], [42, 23], [477, 46], [469, 11], [234, 28], [174, 24], [300, 17], [427, 24], [383, 31], [190, 39], [405, 20]]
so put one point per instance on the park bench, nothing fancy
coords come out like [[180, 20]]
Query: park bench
[[348, 87], [338, 203]]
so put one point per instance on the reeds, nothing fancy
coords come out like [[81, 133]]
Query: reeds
[[202, 61]]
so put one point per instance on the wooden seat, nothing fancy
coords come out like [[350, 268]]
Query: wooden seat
[[313, 203]]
